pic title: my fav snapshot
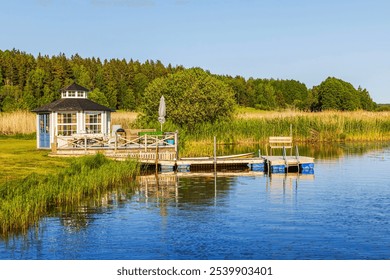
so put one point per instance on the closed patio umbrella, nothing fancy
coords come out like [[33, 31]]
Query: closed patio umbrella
[[161, 111]]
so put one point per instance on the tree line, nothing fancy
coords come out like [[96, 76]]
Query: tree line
[[27, 82]]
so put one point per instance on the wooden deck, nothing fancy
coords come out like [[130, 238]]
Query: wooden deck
[[283, 164], [161, 151]]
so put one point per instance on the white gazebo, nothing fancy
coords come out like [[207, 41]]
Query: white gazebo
[[73, 114]]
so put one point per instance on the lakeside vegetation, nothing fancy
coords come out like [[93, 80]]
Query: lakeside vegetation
[[23, 202], [247, 126]]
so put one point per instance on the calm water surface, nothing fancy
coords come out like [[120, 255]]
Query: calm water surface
[[340, 212]]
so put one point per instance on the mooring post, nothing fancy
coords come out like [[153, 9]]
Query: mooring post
[[215, 154], [157, 160], [297, 157]]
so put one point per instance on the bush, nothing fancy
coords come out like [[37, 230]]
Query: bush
[[192, 97]]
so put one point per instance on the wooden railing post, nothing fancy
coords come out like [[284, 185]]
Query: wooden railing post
[[85, 144], [54, 145], [116, 142]]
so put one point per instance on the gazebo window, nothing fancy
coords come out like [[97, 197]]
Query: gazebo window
[[67, 124], [71, 93], [93, 122]]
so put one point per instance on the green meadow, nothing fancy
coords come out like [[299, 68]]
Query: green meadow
[[19, 157]]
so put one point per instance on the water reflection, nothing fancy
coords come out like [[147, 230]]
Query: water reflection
[[184, 190], [339, 211], [317, 150], [75, 218]]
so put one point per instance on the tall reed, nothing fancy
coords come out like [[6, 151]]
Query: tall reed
[[24, 202], [19, 122], [125, 119], [253, 128]]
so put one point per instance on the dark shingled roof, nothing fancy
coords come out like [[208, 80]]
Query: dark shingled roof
[[74, 86], [72, 104]]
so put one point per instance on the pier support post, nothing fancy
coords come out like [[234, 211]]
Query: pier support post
[[215, 154], [156, 158], [176, 145]]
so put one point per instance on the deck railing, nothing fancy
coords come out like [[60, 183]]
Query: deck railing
[[145, 146]]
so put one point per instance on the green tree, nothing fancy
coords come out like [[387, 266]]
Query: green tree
[[192, 96], [337, 94], [99, 97], [13, 99], [366, 101], [265, 96], [128, 101]]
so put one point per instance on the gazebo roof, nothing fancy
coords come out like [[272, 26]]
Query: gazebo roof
[[75, 87], [72, 104]]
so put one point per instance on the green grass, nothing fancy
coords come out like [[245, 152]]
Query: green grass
[[24, 202], [20, 157]]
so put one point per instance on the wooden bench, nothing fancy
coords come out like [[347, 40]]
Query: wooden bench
[[280, 142]]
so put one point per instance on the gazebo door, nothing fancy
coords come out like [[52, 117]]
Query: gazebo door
[[44, 131]]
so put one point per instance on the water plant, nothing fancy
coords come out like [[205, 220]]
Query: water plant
[[24, 202]]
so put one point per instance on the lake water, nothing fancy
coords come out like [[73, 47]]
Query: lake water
[[342, 211]]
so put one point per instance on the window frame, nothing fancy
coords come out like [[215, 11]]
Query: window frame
[[66, 126], [94, 125]]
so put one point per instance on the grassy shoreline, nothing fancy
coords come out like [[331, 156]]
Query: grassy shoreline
[[25, 201]]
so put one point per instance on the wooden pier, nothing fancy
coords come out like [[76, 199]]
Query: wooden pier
[[161, 151], [286, 164]]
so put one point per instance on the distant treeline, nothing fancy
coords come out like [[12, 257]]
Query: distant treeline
[[27, 82]]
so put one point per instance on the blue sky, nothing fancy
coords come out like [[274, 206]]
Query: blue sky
[[302, 40]]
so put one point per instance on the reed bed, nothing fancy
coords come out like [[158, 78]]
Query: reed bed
[[125, 119], [19, 122], [323, 126], [23, 203], [24, 122], [251, 127]]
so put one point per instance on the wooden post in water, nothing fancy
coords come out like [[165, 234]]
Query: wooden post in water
[[215, 154], [157, 161], [291, 135], [297, 157]]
